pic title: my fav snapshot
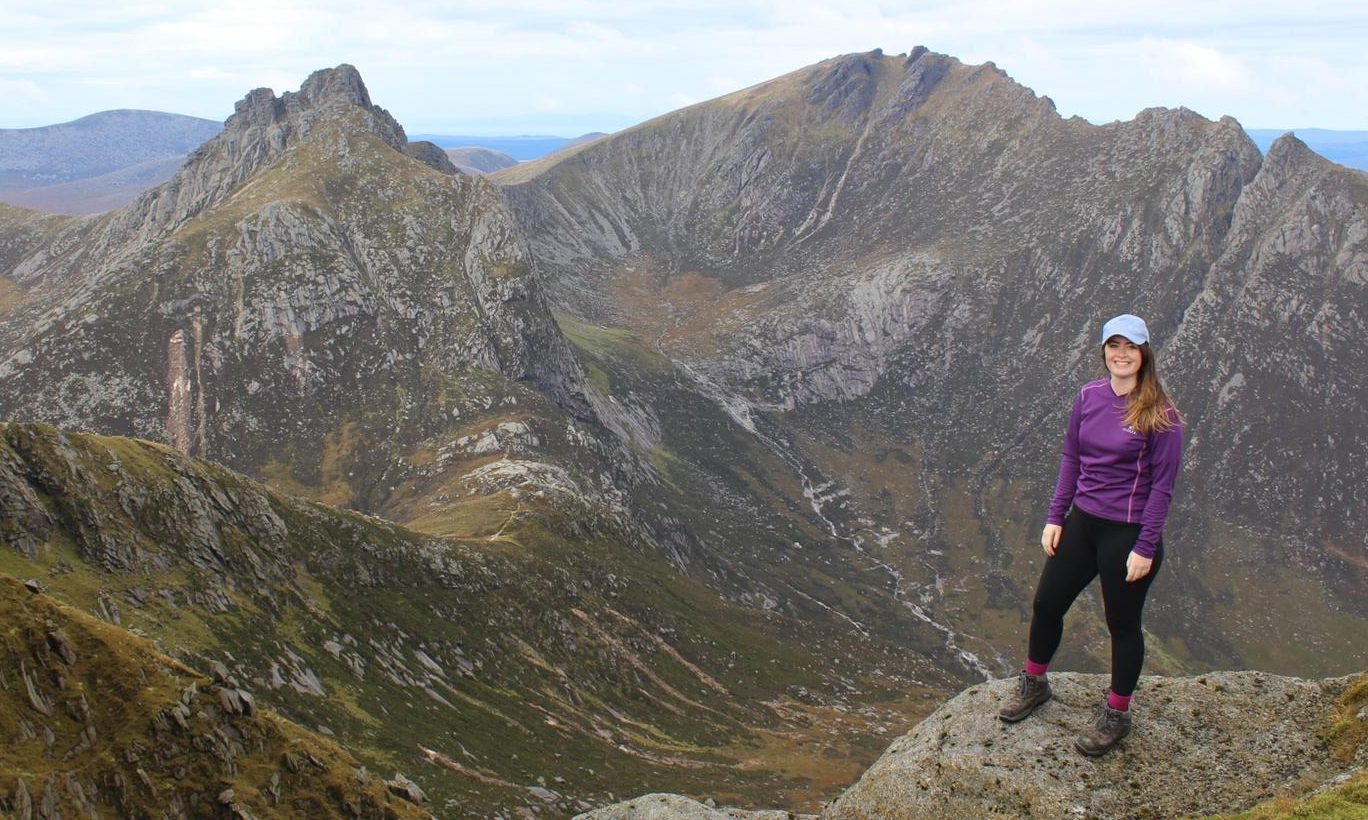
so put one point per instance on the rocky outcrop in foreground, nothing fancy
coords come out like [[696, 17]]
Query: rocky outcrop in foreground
[[1216, 743]]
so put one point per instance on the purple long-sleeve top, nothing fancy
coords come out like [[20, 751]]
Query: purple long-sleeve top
[[1116, 472]]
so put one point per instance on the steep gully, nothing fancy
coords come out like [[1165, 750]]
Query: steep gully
[[819, 494]]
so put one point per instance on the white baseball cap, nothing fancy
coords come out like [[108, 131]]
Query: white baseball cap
[[1131, 327]]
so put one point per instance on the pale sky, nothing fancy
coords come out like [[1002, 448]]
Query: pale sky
[[566, 67]]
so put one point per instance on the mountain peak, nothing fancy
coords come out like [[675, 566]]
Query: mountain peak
[[261, 129], [1289, 149], [342, 83], [325, 90]]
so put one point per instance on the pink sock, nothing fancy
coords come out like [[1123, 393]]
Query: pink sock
[[1119, 703], [1034, 669]]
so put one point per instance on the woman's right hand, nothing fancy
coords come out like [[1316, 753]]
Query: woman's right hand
[[1049, 538]]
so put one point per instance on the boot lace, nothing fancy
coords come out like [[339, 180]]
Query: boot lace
[[1108, 719]]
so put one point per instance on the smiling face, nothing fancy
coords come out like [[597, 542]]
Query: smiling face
[[1122, 357]]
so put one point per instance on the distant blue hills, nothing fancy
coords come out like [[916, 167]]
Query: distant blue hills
[[1348, 148]]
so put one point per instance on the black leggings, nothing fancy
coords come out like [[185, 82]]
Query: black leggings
[[1088, 548]]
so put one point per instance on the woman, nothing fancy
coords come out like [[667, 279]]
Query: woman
[[1121, 456]]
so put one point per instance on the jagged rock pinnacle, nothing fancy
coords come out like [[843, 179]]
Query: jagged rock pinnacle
[[325, 90], [262, 127], [342, 83]]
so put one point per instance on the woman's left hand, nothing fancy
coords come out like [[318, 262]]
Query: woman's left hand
[[1137, 566]]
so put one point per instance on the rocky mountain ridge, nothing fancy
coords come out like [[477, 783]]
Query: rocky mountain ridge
[[534, 661], [541, 658], [212, 288]]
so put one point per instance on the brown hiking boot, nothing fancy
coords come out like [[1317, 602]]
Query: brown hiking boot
[[1032, 690], [1111, 726]]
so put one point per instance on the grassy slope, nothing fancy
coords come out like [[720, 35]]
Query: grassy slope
[[118, 689]]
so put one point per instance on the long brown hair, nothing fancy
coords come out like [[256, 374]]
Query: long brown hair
[[1148, 407]]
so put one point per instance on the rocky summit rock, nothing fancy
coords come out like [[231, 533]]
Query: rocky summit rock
[[1215, 743], [677, 807]]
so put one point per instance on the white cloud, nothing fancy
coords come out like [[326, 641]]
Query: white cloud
[[723, 85], [432, 61], [1193, 64], [22, 89], [208, 73]]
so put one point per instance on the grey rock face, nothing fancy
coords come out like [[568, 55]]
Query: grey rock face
[[1262, 354], [880, 222], [1217, 743], [866, 208]]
